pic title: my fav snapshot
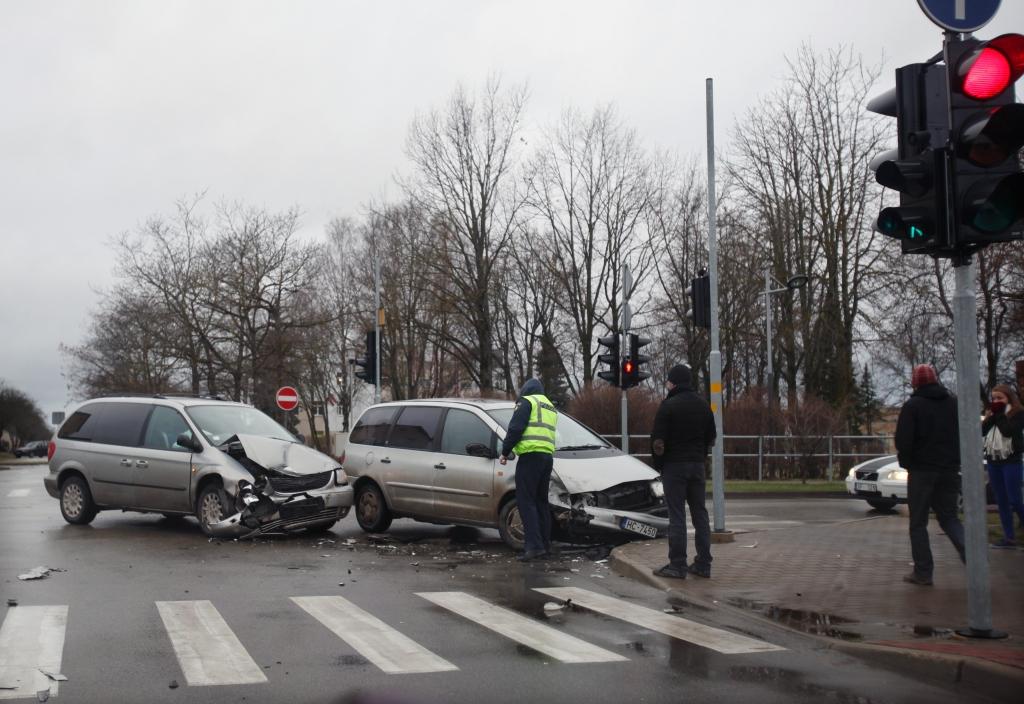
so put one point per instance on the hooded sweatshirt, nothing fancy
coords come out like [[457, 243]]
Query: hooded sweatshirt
[[927, 432], [521, 417]]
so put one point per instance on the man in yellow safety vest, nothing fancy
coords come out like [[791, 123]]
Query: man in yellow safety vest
[[531, 435]]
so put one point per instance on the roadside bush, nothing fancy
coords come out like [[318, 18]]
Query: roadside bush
[[599, 408]]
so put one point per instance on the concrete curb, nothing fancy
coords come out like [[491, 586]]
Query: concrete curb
[[1001, 683]]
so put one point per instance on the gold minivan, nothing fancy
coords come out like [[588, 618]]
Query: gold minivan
[[435, 460]]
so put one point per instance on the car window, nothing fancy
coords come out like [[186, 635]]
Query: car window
[[416, 428], [121, 423], [569, 432], [373, 425], [164, 427], [463, 428], [81, 424]]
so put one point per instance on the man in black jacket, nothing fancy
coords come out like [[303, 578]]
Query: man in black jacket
[[684, 431], [928, 447]]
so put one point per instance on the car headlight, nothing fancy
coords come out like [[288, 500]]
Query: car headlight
[[340, 478], [898, 475], [657, 489], [852, 474], [587, 499]]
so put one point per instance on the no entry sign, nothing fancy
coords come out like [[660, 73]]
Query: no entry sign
[[287, 398]]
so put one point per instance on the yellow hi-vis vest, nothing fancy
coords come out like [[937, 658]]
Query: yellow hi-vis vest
[[539, 435]]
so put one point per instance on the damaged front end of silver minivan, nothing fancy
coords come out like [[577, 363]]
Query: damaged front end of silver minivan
[[285, 487]]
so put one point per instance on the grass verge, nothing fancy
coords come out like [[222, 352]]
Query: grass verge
[[795, 486]]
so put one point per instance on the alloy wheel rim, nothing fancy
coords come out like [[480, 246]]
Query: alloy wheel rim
[[211, 509], [73, 500], [368, 507], [515, 524]]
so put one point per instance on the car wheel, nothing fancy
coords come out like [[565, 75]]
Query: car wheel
[[320, 527], [76, 504], [882, 504], [510, 525], [372, 511], [211, 507]]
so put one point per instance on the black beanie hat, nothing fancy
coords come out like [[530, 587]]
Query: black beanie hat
[[680, 375]]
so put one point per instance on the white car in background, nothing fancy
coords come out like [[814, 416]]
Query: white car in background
[[879, 481]]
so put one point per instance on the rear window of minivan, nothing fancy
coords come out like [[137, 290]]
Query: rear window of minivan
[[107, 424], [373, 426]]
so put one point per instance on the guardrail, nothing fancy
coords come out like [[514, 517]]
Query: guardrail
[[814, 447]]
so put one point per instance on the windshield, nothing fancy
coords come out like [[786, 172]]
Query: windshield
[[569, 434], [218, 423]]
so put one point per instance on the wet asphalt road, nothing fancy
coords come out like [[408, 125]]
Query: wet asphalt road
[[117, 648]]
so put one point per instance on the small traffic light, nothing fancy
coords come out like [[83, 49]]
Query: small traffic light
[[368, 373], [987, 133], [632, 365], [700, 300], [613, 375], [917, 168]]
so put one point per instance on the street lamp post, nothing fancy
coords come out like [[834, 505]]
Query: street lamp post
[[792, 284]]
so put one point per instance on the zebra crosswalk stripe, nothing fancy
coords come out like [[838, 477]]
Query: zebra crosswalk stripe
[[388, 649], [521, 629], [207, 649], [670, 625], [31, 640]]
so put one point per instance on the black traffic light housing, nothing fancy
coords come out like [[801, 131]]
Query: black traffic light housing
[[368, 373], [632, 365], [613, 375], [700, 300], [917, 168], [987, 133]]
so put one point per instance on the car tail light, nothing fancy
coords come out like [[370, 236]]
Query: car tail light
[[51, 447]]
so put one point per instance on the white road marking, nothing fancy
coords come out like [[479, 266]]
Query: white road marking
[[17, 493], [391, 651], [670, 625], [31, 639], [207, 649], [521, 629]]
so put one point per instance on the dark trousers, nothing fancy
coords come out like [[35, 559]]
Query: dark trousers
[[533, 473], [1005, 479], [684, 486], [937, 491]]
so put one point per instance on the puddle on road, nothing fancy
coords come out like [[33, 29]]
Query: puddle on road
[[343, 660], [813, 622]]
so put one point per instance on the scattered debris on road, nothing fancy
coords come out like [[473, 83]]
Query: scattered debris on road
[[41, 572], [12, 602], [173, 684], [55, 676]]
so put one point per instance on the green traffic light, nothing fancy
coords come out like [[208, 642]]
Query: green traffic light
[[916, 232]]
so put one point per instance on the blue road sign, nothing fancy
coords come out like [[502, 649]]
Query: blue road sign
[[960, 15]]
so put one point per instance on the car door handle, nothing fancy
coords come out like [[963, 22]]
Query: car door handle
[[141, 463], [385, 460], [440, 465], [125, 462]]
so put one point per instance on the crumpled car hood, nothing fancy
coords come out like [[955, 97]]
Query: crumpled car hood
[[284, 457], [597, 474]]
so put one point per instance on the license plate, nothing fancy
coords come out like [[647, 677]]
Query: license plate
[[865, 486], [638, 527]]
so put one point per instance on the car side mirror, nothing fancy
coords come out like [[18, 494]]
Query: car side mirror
[[301, 438], [478, 449], [189, 442]]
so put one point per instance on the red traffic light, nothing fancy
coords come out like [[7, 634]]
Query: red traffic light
[[992, 67], [627, 367]]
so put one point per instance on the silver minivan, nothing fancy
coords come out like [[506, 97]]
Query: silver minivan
[[233, 467], [435, 460]]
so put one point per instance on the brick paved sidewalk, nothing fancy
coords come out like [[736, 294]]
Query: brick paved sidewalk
[[845, 581]]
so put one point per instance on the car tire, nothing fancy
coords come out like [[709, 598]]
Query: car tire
[[510, 525], [211, 506], [76, 504], [372, 511], [321, 527], [882, 504]]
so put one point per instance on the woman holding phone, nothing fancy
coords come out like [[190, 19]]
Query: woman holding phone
[[1003, 429]]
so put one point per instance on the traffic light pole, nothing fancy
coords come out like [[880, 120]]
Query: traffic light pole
[[717, 455], [627, 284], [376, 327]]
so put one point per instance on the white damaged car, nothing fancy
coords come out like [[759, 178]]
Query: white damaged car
[[436, 460], [879, 481]]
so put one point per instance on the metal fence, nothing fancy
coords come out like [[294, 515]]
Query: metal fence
[[774, 454]]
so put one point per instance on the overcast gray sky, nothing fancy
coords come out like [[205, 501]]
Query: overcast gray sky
[[113, 110]]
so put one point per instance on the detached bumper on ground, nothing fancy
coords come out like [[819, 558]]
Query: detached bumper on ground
[[284, 512]]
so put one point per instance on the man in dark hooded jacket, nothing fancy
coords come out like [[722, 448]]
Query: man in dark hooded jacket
[[684, 431], [928, 447], [531, 435]]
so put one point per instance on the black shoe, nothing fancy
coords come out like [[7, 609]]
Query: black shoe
[[696, 569], [670, 571], [530, 555], [915, 578]]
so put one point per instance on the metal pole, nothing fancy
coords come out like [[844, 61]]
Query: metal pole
[[965, 324], [768, 374], [376, 327], [717, 455], [627, 284], [760, 458]]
